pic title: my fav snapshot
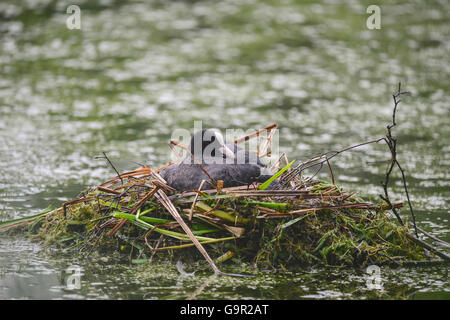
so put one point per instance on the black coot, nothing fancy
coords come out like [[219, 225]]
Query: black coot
[[227, 162]]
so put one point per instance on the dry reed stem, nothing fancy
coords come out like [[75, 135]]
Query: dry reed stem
[[256, 133], [195, 199], [165, 201]]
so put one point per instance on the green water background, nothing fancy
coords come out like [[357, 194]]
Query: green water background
[[137, 70]]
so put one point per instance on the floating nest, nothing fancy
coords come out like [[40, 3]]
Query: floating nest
[[308, 222]]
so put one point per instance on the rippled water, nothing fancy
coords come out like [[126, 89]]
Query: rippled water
[[136, 71]]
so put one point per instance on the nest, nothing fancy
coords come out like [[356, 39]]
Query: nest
[[306, 222], [309, 222]]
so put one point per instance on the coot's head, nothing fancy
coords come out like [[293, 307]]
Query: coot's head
[[209, 144]]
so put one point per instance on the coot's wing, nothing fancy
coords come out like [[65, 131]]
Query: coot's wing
[[247, 162], [234, 175], [184, 177]]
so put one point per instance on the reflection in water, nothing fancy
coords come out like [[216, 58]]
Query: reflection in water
[[24, 274], [137, 71], [37, 286]]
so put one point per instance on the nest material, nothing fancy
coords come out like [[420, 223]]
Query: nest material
[[308, 223]]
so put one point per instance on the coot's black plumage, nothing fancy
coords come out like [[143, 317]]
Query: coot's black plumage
[[233, 165]]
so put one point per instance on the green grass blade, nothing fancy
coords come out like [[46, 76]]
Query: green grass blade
[[191, 244], [271, 205], [141, 223], [119, 214], [6, 224], [232, 217], [276, 175], [291, 222]]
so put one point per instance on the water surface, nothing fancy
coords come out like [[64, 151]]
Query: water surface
[[137, 70]]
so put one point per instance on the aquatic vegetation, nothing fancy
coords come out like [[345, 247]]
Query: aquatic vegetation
[[303, 222], [312, 223]]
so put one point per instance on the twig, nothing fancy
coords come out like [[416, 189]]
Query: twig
[[142, 171], [270, 193], [425, 263], [407, 196], [195, 200], [162, 197], [256, 133], [322, 158], [178, 144], [331, 172], [392, 144], [171, 146], [156, 247], [111, 164], [133, 210], [425, 245], [441, 242], [165, 166], [296, 212], [108, 190], [276, 164], [146, 236], [187, 245], [268, 143]]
